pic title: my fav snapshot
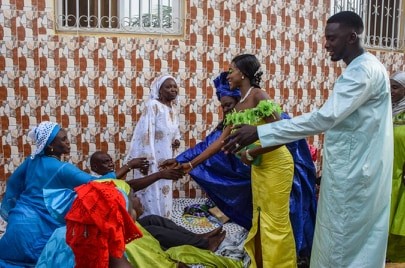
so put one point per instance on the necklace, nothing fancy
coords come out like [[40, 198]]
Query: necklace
[[246, 95]]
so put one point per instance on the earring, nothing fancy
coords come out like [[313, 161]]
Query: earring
[[243, 77], [51, 149]]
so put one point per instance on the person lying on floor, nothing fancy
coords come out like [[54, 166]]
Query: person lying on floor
[[168, 233], [70, 246]]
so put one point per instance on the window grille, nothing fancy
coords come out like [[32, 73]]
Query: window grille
[[383, 21], [120, 16]]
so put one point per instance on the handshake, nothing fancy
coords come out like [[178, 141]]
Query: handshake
[[173, 164]]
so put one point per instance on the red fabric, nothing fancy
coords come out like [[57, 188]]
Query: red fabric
[[314, 152], [98, 225]]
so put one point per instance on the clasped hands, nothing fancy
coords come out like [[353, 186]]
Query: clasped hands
[[173, 164], [170, 172]]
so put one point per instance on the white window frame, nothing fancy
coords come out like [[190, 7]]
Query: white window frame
[[125, 20], [371, 11]]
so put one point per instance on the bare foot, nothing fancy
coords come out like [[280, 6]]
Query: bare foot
[[214, 232], [215, 241]]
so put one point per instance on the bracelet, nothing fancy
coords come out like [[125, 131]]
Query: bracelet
[[129, 168], [248, 156], [191, 165]]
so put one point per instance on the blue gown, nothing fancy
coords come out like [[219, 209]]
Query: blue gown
[[226, 180], [29, 223]]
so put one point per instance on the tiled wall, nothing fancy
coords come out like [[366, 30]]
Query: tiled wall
[[95, 86]]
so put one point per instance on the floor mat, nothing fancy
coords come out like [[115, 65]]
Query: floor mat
[[231, 247]]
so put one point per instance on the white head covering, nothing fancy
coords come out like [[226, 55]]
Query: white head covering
[[42, 135], [399, 77], [399, 106], [156, 84]]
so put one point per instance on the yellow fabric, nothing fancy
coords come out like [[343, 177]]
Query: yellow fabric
[[271, 187], [121, 184], [146, 252]]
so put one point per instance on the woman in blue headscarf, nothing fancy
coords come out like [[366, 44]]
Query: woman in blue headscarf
[[29, 223], [223, 177]]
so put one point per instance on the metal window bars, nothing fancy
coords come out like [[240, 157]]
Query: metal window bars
[[383, 20], [122, 16]]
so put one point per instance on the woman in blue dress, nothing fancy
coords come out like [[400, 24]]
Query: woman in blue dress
[[29, 224]]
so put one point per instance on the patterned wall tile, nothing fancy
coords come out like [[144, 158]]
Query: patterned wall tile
[[96, 86]]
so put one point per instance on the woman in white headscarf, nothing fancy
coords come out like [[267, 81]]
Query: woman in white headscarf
[[396, 239], [156, 137], [30, 224]]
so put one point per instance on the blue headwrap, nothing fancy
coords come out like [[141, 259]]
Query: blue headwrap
[[223, 89]]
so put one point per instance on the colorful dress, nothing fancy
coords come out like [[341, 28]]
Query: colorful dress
[[226, 180], [272, 178], [30, 224], [396, 239], [142, 252], [157, 128]]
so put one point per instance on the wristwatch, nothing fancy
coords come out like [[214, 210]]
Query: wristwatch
[[248, 156]]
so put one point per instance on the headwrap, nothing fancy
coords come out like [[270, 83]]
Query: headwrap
[[399, 77], [156, 84], [400, 105], [98, 223], [42, 135], [223, 89]]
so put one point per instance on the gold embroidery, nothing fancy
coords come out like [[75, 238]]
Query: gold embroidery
[[165, 189], [159, 135]]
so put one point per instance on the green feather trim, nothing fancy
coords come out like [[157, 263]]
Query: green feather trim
[[252, 116]]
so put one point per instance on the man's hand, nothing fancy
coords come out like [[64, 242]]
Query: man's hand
[[140, 162], [171, 173], [169, 163], [242, 136]]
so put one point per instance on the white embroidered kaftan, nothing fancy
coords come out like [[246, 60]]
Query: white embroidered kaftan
[[154, 133]]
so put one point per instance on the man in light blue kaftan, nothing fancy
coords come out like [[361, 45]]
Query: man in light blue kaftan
[[353, 210], [29, 224]]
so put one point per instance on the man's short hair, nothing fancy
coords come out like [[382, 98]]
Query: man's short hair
[[349, 19], [94, 158]]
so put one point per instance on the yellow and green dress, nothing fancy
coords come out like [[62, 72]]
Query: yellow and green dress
[[396, 239], [270, 242]]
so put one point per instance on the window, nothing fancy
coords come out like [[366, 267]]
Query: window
[[383, 20], [120, 16]]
